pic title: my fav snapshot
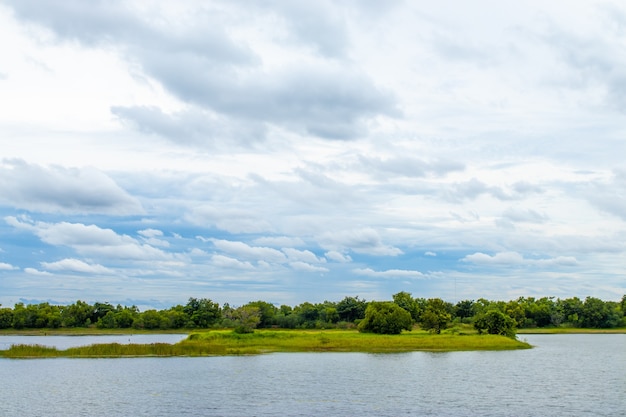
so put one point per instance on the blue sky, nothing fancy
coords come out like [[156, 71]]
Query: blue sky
[[288, 151]]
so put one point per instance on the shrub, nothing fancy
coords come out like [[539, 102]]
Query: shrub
[[385, 318]]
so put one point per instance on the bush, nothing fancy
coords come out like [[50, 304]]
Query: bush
[[385, 318], [495, 322]]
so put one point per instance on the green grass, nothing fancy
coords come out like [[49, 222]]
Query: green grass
[[226, 342]]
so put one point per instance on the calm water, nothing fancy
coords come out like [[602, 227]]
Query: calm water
[[564, 375]]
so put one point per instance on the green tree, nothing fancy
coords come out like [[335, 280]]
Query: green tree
[[150, 319], [386, 318], [572, 310], [246, 318], [107, 322], [308, 314], [6, 318], [464, 309], [77, 314], [407, 302], [125, 316], [351, 309], [267, 312], [436, 316], [599, 314], [495, 322], [202, 312]]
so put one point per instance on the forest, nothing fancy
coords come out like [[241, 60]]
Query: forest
[[404, 312]]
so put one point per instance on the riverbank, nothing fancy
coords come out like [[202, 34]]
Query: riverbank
[[226, 342]]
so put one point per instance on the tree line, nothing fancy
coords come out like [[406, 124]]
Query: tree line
[[403, 312]]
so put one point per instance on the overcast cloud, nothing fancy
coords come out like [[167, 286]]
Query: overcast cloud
[[301, 151]]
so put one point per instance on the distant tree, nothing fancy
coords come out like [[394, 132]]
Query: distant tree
[[407, 302], [107, 321], [176, 317], [246, 318], [572, 310], [77, 314], [436, 316], [6, 318], [328, 314], [308, 314], [150, 319], [600, 314], [495, 322], [464, 309], [351, 309], [100, 310], [386, 318], [202, 312], [125, 316], [267, 312]]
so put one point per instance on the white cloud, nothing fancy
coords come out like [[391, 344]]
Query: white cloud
[[366, 241], [279, 241], [90, 240], [33, 271], [230, 220], [514, 258], [7, 267], [151, 237], [389, 273], [333, 255], [59, 189], [76, 265], [230, 263], [303, 266], [302, 255], [243, 250]]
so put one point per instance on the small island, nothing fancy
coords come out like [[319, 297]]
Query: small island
[[228, 342]]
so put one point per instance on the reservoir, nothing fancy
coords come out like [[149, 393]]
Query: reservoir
[[563, 375]]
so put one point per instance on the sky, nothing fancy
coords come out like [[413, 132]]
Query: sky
[[292, 151]]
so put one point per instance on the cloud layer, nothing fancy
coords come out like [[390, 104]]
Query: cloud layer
[[294, 151]]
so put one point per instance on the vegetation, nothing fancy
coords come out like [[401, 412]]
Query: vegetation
[[391, 317], [385, 318], [227, 342]]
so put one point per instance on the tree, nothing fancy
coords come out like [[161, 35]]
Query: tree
[[495, 322], [351, 309], [600, 314], [202, 312], [407, 302], [436, 316], [464, 309], [386, 318], [246, 318], [6, 318], [77, 314], [267, 312]]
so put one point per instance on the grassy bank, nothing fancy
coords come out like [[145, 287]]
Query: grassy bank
[[226, 342]]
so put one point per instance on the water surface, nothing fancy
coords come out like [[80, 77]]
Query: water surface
[[564, 375]]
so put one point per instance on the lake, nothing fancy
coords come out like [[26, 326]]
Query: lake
[[564, 375]]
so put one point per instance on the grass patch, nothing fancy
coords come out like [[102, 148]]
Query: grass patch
[[226, 342]]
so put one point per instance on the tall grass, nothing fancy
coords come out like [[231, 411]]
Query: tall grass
[[225, 342]]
